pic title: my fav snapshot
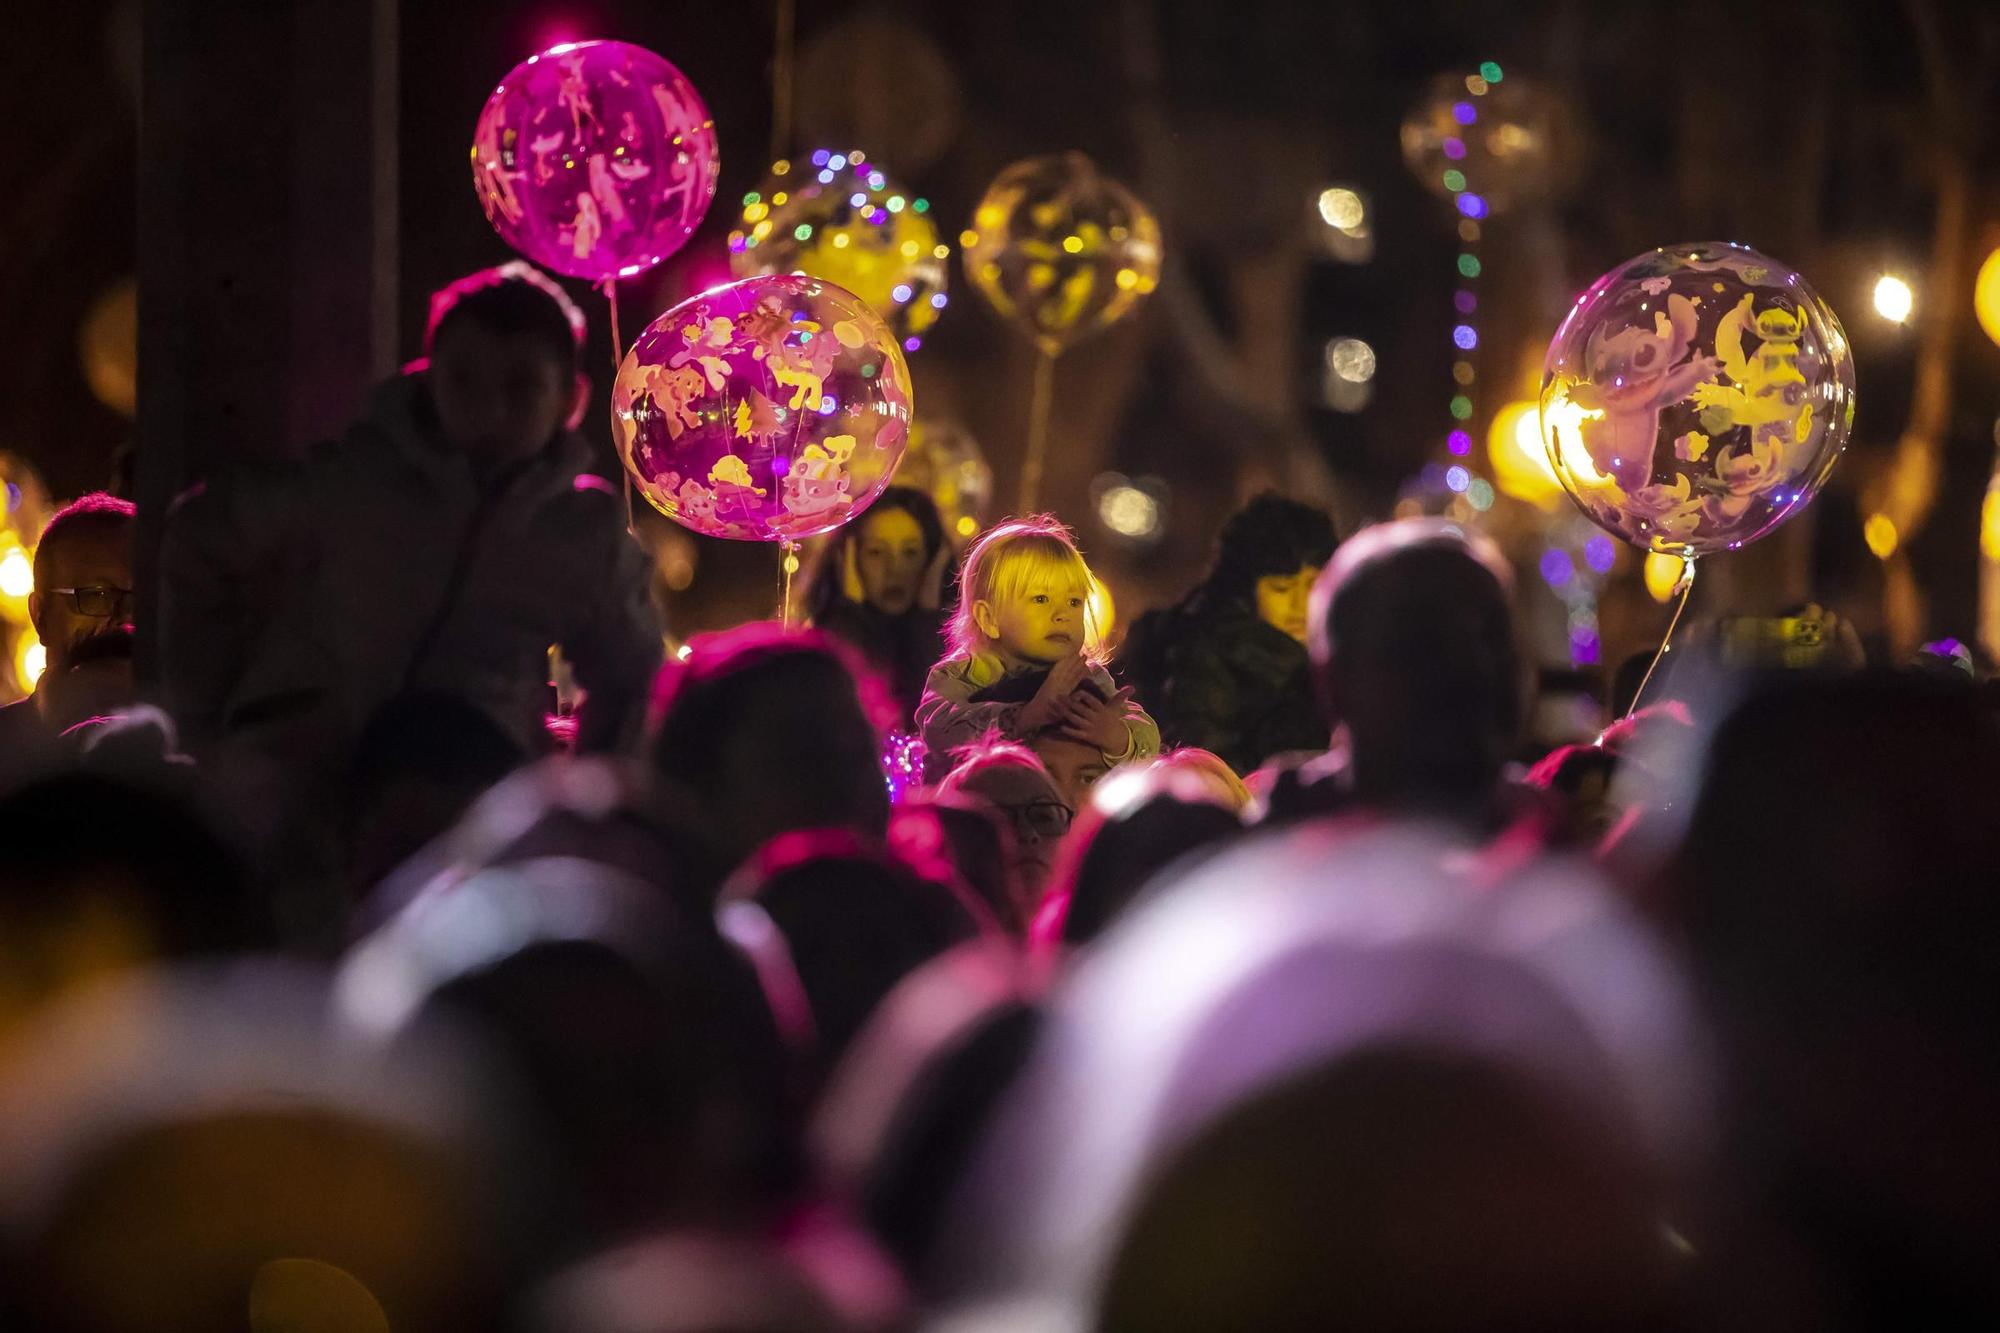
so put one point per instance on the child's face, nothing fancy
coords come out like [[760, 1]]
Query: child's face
[[1042, 623], [1282, 600], [500, 397]]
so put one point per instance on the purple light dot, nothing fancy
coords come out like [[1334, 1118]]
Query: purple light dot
[[1471, 205], [938, 301], [1457, 479], [1459, 442], [826, 176], [911, 344], [858, 198], [819, 158], [1464, 302], [1600, 554], [839, 160], [1454, 149], [1465, 336], [1557, 569], [1584, 647], [1464, 112], [738, 244], [901, 293]]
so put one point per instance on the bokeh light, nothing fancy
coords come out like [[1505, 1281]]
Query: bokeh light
[[1893, 298]]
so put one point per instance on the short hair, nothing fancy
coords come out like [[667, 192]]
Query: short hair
[[1000, 564], [1269, 535], [98, 511], [990, 751], [514, 298]]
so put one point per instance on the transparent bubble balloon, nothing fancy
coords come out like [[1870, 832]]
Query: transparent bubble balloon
[[839, 217], [595, 159], [1487, 150], [1696, 397], [946, 463], [1061, 250], [771, 409]]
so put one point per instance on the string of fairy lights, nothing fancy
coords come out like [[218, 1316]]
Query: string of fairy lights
[[1470, 491]]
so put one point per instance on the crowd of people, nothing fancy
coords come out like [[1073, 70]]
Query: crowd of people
[[1261, 975]]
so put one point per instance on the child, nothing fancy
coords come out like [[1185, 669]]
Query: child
[[1024, 607]]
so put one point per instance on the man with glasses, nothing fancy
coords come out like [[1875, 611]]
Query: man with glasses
[[81, 608]]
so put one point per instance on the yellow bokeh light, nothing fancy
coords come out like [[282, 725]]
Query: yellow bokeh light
[[1893, 298], [1989, 525], [756, 212], [1128, 278], [941, 251], [1519, 459], [968, 239], [1073, 244], [1880, 534], [1566, 419], [1663, 575], [1341, 208], [1986, 296], [1102, 615], [17, 573], [967, 525], [909, 249]]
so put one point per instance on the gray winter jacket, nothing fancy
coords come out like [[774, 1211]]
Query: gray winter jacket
[[300, 597]]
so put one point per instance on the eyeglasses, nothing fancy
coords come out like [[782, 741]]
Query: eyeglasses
[[1042, 819], [96, 600]]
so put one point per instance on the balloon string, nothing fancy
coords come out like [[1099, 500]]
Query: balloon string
[[781, 82], [786, 566], [1686, 590], [1038, 429], [610, 289]]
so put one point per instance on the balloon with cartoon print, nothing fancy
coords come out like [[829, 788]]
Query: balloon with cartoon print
[[770, 409], [1696, 397], [595, 159]]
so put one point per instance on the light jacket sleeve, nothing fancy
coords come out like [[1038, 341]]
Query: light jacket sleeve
[[1144, 733], [947, 717]]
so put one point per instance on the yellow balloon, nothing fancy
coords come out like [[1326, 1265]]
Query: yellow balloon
[[841, 218], [1061, 250], [1986, 296], [1519, 459]]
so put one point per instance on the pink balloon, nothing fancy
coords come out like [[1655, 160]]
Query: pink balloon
[[770, 409], [595, 159]]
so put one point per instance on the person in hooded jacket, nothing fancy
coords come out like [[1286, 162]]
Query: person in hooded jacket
[[1225, 669], [444, 543], [440, 546]]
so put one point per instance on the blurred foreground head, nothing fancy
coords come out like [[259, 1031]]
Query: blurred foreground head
[[770, 730], [1412, 637], [1329, 1080]]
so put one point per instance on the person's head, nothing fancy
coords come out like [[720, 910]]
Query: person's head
[[1008, 776], [1267, 557], [1216, 777], [81, 606], [890, 549], [502, 346], [770, 730], [967, 837], [1412, 638], [855, 921], [1136, 825], [1024, 595], [421, 761]]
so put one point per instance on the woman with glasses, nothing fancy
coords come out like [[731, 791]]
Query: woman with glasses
[[1008, 776]]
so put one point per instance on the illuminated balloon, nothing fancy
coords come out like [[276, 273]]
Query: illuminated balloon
[[771, 409], [837, 217], [945, 462], [1061, 250], [1696, 397], [107, 346], [1986, 296], [1487, 151], [595, 159]]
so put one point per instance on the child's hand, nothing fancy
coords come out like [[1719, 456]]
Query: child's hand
[[1093, 720], [1046, 708]]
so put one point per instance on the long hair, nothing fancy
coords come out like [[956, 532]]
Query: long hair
[[1007, 558]]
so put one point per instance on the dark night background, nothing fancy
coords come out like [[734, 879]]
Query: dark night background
[[1849, 138]]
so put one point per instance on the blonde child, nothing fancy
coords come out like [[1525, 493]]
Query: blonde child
[[1024, 607]]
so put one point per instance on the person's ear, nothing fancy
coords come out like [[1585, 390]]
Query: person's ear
[[579, 401], [982, 616], [35, 614]]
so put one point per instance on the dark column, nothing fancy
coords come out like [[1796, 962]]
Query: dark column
[[267, 234]]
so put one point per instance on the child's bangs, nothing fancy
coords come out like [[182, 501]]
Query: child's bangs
[[1030, 561]]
